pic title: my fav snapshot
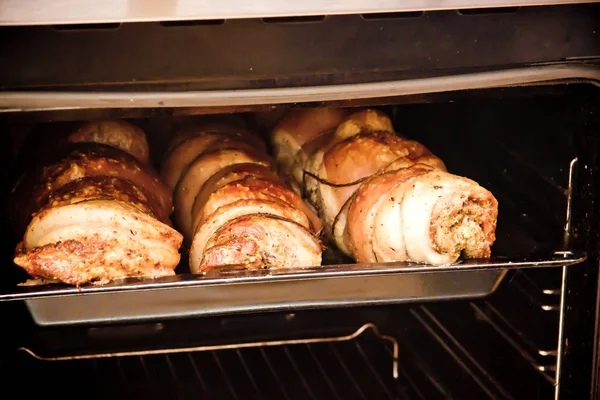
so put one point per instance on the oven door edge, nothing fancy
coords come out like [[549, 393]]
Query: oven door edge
[[16, 101]]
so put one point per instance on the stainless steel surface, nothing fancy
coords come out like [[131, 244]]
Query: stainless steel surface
[[561, 333], [230, 276], [187, 296], [36, 101], [572, 167], [41, 12], [205, 300], [563, 286], [252, 54]]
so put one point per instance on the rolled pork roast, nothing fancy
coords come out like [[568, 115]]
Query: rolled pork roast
[[95, 211], [381, 196], [232, 207]]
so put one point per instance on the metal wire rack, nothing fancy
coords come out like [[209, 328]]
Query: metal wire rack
[[361, 365]]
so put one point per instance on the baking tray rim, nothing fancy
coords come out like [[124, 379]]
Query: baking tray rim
[[225, 277]]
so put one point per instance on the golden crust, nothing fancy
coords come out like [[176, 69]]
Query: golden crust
[[179, 157], [81, 160], [365, 154], [107, 188], [261, 241], [200, 171], [225, 176], [272, 207], [364, 121], [86, 260], [97, 241], [254, 188], [347, 174], [116, 133]]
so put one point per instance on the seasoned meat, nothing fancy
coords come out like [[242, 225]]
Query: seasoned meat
[[297, 128], [375, 203], [108, 188], [225, 176], [444, 216], [266, 208], [204, 166], [260, 241], [385, 198], [179, 158], [116, 133], [81, 160], [233, 209], [354, 159], [97, 241], [363, 122], [253, 188]]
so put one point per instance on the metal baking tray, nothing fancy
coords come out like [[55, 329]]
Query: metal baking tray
[[238, 290]]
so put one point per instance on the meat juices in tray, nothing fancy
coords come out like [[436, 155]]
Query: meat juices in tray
[[98, 212]]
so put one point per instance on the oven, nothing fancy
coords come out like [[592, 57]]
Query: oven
[[507, 95]]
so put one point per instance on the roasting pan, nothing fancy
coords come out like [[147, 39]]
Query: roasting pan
[[233, 291], [239, 290]]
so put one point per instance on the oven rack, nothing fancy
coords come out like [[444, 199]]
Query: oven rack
[[421, 357], [360, 365]]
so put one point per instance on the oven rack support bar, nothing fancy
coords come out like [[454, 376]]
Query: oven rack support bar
[[44, 12], [235, 346]]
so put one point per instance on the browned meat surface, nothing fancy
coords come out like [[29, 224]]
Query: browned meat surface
[[116, 133], [81, 160], [363, 121], [233, 209], [260, 241], [179, 157], [373, 204], [225, 176], [108, 188], [298, 128], [354, 159], [238, 208], [94, 214], [97, 241], [47, 143], [204, 166], [385, 198], [253, 188]]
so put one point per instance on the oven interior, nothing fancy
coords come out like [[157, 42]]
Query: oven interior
[[534, 147]]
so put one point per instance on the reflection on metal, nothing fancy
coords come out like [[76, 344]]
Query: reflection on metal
[[572, 167], [561, 332], [236, 346], [563, 286], [37, 101], [228, 276], [44, 12], [232, 291]]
